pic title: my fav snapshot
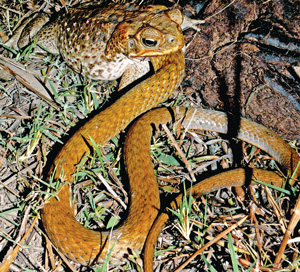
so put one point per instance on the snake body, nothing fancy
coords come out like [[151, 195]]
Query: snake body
[[138, 144], [88, 246]]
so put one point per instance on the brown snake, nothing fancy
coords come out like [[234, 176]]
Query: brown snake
[[87, 246]]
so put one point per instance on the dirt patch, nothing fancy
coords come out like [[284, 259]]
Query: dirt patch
[[243, 59]]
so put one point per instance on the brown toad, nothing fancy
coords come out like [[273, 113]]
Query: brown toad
[[104, 42]]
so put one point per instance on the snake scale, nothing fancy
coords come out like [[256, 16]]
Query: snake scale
[[70, 237]]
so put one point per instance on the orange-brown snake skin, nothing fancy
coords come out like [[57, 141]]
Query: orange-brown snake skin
[[88, 246]]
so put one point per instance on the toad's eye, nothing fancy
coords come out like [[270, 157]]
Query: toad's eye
[[149, 42]]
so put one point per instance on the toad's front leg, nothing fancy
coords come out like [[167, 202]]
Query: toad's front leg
[[35, 28]]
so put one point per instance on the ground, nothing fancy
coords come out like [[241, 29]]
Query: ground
[[244, 59]]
